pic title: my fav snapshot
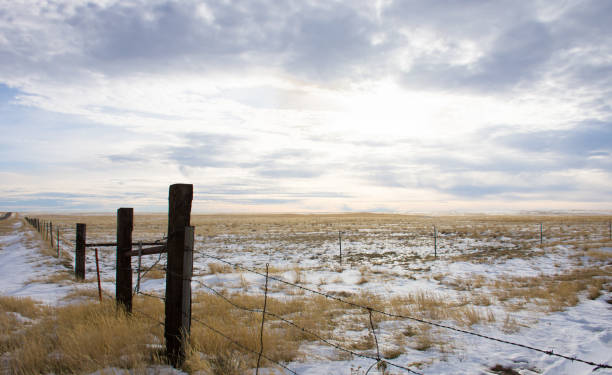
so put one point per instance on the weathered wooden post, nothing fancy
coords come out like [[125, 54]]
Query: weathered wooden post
[[58, 241], [79, 253], [123, 291], [177, 309]]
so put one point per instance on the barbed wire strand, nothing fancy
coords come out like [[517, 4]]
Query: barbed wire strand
[[399, 316]]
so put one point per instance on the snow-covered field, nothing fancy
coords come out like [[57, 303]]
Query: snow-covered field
[[483, 264]]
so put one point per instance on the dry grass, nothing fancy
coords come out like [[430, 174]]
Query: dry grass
[[61, 277], [216, 268], [510, 325], [319, 228], [281, 342], [552, 292], [81, 338]]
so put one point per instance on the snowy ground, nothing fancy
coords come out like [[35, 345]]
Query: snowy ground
[[389, 262]]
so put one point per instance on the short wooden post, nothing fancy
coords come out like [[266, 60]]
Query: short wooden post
[[123, 291], [79, 253], [58, 241], [610, 229], [179, 216]]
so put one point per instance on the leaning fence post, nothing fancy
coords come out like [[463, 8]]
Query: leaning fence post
[[79, 253], [176, 309], [123, 278]]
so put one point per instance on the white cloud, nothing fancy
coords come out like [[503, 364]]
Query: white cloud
[[382, 103]]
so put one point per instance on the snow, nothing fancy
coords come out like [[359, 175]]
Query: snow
[[21, 261], [584, 331]]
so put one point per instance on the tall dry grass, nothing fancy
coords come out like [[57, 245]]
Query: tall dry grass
[[78, 338]]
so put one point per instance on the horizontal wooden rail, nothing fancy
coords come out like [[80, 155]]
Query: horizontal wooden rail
[[148, 251], [104, 244]]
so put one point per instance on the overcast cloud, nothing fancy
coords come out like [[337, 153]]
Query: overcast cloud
[[275, 106]]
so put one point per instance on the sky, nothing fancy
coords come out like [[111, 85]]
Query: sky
[[306, 106]]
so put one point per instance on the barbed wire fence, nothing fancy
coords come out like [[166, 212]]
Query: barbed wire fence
[[379, 362], [371, 311]]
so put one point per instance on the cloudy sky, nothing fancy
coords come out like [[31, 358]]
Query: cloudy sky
[[306, 106]]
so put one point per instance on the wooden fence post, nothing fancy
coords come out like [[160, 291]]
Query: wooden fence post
[[125, 225], [435, 242], [79, 253], [541, 239], [51, 234], [187, 273], [340, 244], [179, 215]]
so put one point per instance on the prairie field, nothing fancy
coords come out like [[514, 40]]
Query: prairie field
[[539, 280]]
